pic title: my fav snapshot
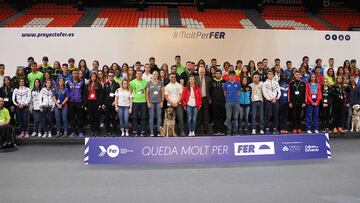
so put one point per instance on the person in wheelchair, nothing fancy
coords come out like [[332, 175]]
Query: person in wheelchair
[[7, 139]]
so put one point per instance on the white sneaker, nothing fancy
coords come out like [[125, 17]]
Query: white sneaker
[[151, 134], [122, 132], [126, 133], [190, 134], [316, 131], [49, 134], [45, 134], [39, 135], [253, 131], [261, 132], [193, 133], [308, 132], [33, 134]]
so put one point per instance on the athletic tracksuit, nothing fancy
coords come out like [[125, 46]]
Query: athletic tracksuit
[[271, 90], [35, 107], [47, 103], [313, 96], [75, 104], [325, 111], [338, 106], [283, 105], [216, 92], [22, 95], [297, 92]]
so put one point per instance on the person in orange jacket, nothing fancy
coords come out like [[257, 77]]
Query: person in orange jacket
[[312, 100], [191, 101]]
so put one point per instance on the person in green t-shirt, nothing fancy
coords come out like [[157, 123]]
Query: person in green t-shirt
[[138, 88], [34, 74], [5, 128], [179, 68]]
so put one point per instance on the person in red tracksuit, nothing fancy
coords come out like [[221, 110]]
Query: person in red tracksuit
[[312, 100], [191, 101]]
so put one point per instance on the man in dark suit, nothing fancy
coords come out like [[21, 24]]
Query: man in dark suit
[[203, 114]]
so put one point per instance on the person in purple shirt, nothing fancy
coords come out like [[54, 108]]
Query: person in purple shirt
[[76, 87]]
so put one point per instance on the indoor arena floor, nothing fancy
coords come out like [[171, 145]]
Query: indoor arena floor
[[56, 173]]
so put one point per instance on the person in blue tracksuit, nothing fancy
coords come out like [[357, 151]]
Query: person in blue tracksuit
[[244, 98], [283, 104]]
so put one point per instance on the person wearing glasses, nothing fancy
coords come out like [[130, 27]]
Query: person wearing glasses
[[109, 103], [173, 92]]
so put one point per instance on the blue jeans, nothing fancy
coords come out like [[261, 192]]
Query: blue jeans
[[124, 116], [47, 124], [22, 117], [256, 107], [155, 106], [191, 117], [61, 116], [232, 115], [37, 121], [139, 112], [348, 117], [244, 112], [312, 117]]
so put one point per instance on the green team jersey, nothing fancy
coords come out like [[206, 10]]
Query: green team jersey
[[138, 88]]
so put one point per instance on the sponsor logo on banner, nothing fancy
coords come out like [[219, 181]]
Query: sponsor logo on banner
[[312, 148], [291, 148], [254, 148], [198, 35], [112, 151]]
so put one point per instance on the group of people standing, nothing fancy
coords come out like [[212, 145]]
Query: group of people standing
[[239, 99]]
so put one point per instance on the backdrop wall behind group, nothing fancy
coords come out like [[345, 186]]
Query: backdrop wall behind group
[[129, 45]]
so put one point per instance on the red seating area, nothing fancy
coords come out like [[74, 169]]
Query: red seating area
[[129, 17], [214, 18], [343, 18], [5, 11], [64, 15], [291, 13]]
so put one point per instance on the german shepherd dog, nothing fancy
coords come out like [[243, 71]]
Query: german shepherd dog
[[169, 123]]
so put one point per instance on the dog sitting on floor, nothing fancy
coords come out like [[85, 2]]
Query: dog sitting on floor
[[169, 123], [355, 127]]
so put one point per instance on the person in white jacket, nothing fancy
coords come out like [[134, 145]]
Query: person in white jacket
[[34, 108], [271, 92], [21, 98], [47, 107]]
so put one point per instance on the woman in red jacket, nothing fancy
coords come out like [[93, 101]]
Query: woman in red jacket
[[191, 101], [312, 100]]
